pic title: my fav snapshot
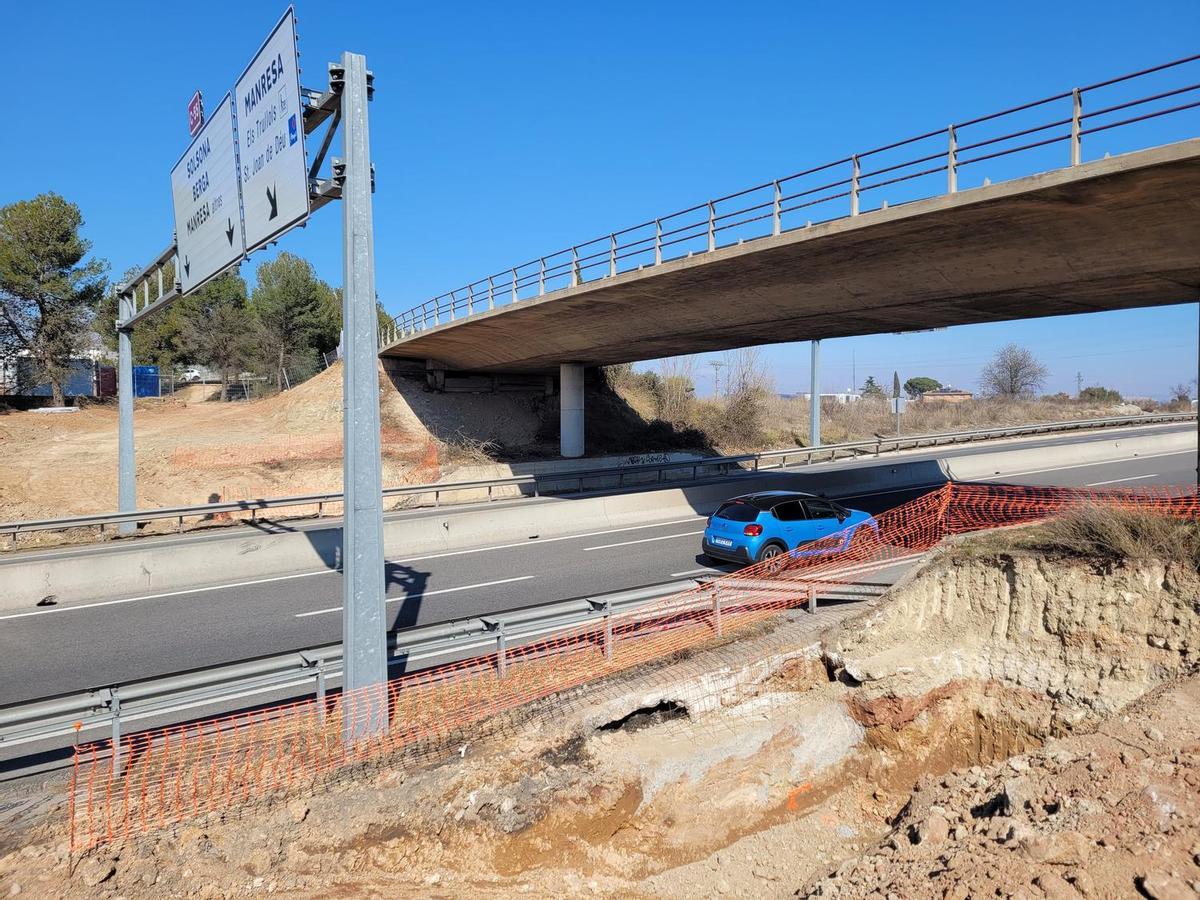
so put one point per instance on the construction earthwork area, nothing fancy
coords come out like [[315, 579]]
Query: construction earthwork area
[[1015, 718]]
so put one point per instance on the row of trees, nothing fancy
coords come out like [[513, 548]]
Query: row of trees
[[285, 324], [56, 302]]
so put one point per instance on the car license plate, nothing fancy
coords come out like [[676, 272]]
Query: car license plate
[[722, 542]]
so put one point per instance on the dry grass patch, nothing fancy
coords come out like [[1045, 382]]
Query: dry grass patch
[[1099, 531]]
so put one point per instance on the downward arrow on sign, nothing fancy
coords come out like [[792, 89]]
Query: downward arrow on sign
[[187, 266], [229, 230], [274, 205]]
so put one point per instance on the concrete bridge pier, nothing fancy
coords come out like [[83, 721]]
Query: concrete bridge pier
[[570, 427]]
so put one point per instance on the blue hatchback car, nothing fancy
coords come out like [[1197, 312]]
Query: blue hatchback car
[[760, 526]]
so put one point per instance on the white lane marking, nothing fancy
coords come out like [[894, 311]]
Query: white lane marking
[[665, 537], [199, 590], [219, 587], [1119, 480], [1090, 465], [421, 596], [533, 542]]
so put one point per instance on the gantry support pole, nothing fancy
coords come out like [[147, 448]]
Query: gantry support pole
[[126, 460], [364, 626]]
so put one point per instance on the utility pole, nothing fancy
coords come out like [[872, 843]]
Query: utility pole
[[814, 401], [1078, 385], [716, 366]]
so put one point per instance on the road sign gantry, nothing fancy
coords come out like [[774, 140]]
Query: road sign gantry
[[254, 162]]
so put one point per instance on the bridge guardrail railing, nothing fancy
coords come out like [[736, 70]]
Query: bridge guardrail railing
[[819, 192], [598, 479]]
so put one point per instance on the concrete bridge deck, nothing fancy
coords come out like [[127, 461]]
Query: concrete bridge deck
[[1110, 234]]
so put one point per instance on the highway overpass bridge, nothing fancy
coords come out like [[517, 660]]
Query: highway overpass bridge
[[748, 268], [1110, 234]]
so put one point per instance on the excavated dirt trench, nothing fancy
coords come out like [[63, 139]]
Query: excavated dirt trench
[[747, 770]]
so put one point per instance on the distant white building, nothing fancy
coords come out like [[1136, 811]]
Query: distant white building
[[842, 397]]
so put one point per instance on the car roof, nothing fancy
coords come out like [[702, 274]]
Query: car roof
[[769, 499]]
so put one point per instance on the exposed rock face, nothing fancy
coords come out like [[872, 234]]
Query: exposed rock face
[[1092, 638], [1058, 647]]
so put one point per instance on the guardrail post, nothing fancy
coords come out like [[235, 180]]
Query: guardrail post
[[542, 277], [854, 185], [514, 286], [776, 214], [812, 599], [453, 300], [114, 706], [612, 255], [657, 241], [608, 631], [470, 300], [501, 652], [712, 231], [491, 292], [952, 163], [1076, 121], [575, 273], [717, 624], [321, 692]]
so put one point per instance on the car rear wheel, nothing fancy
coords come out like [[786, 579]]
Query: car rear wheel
[[771, 555]]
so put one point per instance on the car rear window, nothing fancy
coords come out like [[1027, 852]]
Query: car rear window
[[737, 512]]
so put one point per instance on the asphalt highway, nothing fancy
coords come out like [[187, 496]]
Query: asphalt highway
[[67, 648]]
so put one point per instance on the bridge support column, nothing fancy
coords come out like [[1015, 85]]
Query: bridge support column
[[126, 461], [570, 438], [814, 397]]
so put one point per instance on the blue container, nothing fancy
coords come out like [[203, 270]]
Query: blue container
[[79, 381], [145, 381]]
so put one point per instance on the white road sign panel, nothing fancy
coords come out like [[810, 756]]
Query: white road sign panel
[[271, 138], [204, 187]]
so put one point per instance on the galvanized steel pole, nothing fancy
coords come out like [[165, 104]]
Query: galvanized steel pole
[[126, 461], [364, 629], [814, 398]]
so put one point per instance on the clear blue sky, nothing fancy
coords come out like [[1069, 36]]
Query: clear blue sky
[[502, 131]]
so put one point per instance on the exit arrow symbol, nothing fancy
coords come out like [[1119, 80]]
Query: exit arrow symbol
[[187, 266], [229, 231], [274, 205]]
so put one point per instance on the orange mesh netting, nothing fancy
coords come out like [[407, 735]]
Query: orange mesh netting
[[170, 775]]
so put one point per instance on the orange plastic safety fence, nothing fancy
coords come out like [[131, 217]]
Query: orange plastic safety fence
[[171, 775]]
